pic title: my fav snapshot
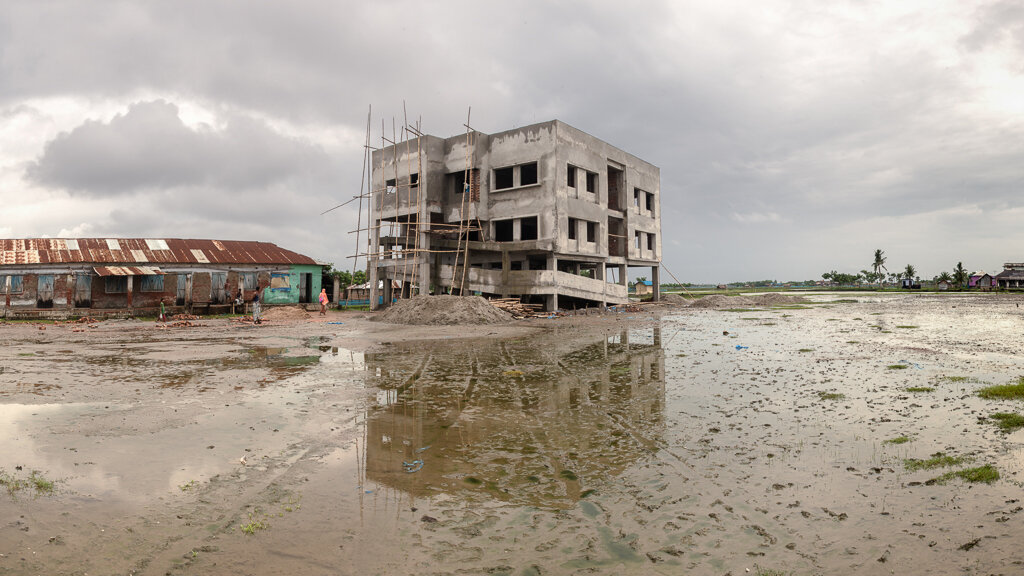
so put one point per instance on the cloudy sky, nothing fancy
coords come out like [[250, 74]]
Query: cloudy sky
[[793, 137]]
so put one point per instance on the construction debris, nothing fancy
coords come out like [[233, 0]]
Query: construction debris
[[518, 309]]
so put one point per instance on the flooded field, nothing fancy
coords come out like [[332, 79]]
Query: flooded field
[[843, 436]]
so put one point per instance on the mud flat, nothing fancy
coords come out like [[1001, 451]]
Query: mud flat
[[795, 438]]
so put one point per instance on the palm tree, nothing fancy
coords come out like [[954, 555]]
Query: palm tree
[[944, 277], [879, 263], [909, 272], [959, 275]]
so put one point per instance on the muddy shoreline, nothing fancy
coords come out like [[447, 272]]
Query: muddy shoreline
[[671, 440]]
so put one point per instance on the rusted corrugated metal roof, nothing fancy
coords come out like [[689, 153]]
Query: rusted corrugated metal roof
[[145, 251], [127, 271]]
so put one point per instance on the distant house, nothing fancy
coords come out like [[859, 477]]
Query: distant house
[[981, 281], [1012, 277], [644, 287], [123, 276], [943, 285], [362, 291]]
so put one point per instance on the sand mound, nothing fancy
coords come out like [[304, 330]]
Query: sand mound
[[443, 310], [284, 313], [776, 299], [718, 301], [674, 299]]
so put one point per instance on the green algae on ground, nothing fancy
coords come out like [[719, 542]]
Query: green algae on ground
[[831, 395], [1008, 421], [920, 389], [1004, 391], [937, 460], [986, 474], [896, 367], [898, 440]]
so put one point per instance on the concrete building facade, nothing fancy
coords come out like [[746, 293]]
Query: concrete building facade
[[118, 276], [546, 212]]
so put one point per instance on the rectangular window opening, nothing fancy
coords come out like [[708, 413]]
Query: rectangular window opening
[[249, 280], [591, 231], [570, 176], [528, 228], [592, 182], [636, 240], [503, 178], [152, 283], [650, 202], [650, 242], [115, 284], [528, 174], [503, 230], [572, 228], [636, 197], [414, 180], [16, 284], [391, 185]]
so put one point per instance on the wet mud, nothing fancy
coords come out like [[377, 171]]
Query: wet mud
[[694, 441]]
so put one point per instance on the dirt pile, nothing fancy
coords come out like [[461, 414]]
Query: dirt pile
[[719, 301], [284, 313], [443, 310], [675, 299], [776, 299]]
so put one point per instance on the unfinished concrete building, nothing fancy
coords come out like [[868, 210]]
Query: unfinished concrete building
[[546, 213]]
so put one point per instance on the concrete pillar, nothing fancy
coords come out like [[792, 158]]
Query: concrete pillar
[[337, 290], [188, 290], [130, 288], [374, 291], [550, 302], [656, 282], [7, 291], [389, 292], [622, 275], [552, 262], [69, 288], [600, 271], [506, 269]]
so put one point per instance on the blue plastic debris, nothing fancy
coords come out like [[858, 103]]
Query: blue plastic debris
[[413, 466], [738, 347], [335, 322]]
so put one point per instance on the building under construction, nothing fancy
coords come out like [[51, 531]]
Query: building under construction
[[546, 213]]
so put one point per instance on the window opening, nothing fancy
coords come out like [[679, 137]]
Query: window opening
[[572, 228], [152, 283], [249, 280], [528, 174], [414, 180], [115, 284], [650, 242], [503, 178], [570, 176], [592, 182], [591, 231], [528, 228], [502, 230], [650, 202], [391, 185]]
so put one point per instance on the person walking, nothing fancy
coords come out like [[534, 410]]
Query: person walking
[[323, 301], [256, 306]]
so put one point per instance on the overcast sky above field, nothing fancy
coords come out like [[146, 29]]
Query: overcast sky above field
[[793, 137]]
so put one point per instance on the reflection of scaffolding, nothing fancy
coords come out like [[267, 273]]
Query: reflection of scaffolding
[[405, 235]]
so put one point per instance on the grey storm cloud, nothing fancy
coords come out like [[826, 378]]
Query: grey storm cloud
[[149, 147], [792, 136]]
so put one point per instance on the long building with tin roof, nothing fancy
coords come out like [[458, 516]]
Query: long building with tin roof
[[82, 276]]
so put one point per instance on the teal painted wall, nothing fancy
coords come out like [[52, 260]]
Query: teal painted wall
[[290, 295]]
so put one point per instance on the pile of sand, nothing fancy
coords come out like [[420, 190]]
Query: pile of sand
[[776, 299], [719, 301], [443, 310], [284, 313]]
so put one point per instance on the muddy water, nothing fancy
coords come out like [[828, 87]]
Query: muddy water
[[698, 442]]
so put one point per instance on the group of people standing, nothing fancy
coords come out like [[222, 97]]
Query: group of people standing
[[256, 319]]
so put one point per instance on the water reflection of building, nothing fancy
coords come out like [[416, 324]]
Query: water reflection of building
[[520, 421]]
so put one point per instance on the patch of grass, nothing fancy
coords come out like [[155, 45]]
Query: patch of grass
[[956, 379], [806, 350], [938, 460], [188, 485], [26, 353], [739, 310], [769, 571], [831, 395], [568, 475], [986, 474], [586, 493], [852, 342], [896, 367], [1004, 391], [791, 307], [898, 440], [844, 301], [1008, 421], [254, 524], [473, 480], [920, 389], [907, 326], [39, 484]]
